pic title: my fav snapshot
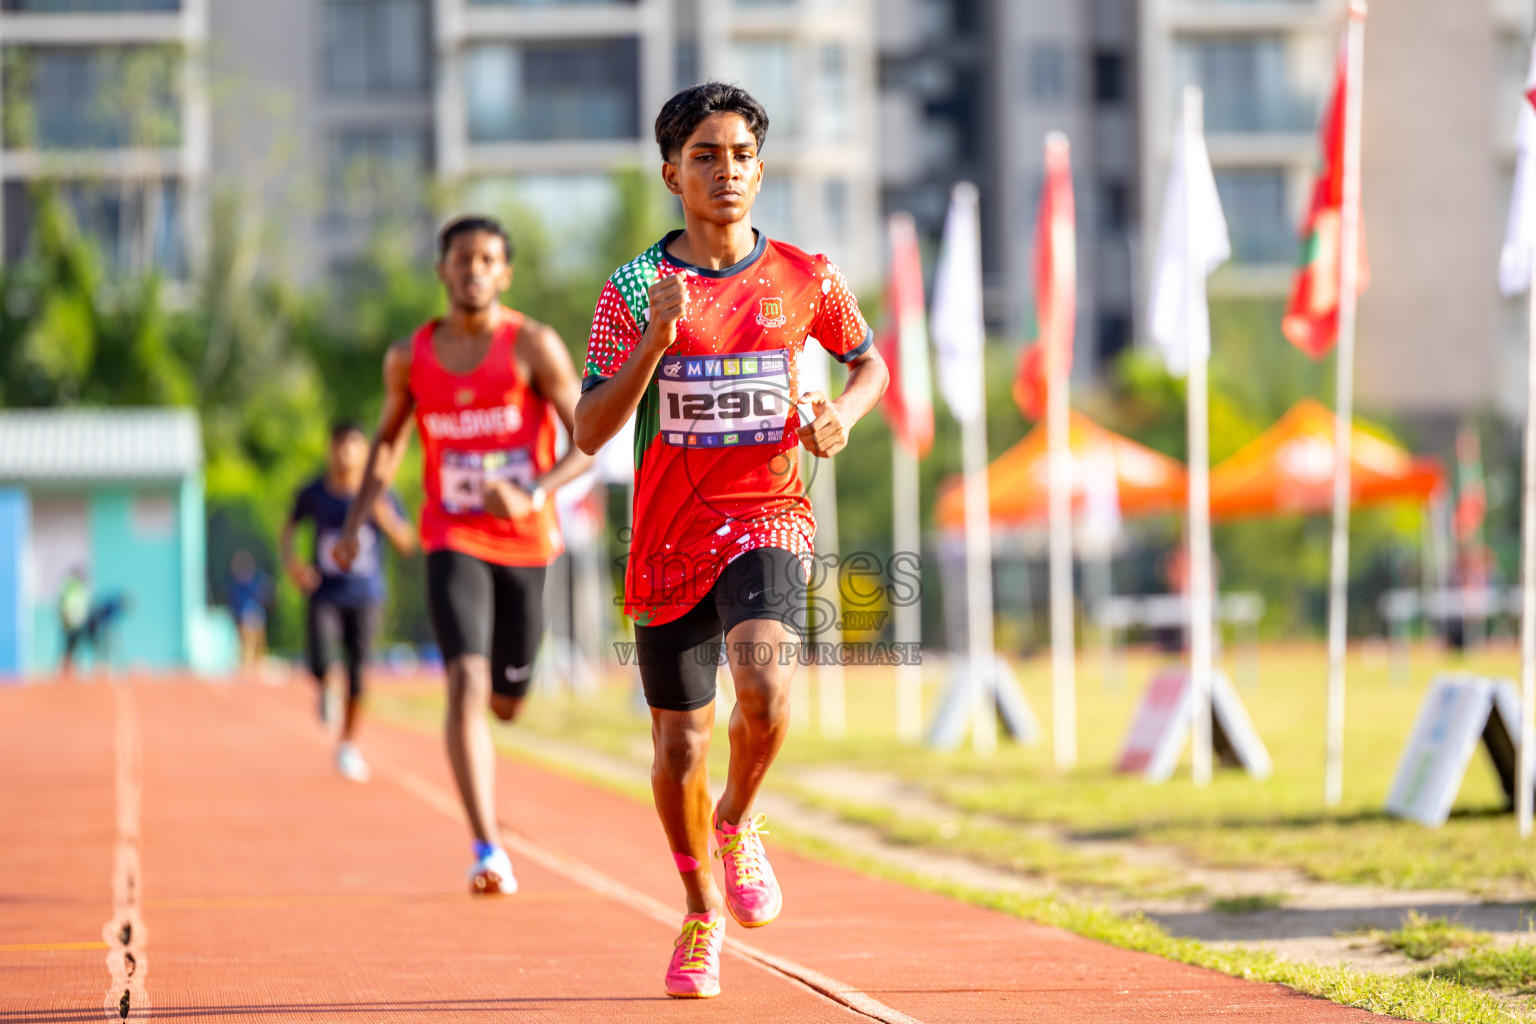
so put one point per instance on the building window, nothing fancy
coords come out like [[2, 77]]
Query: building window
[[1114, 336], [1257, 216], [766, 69], [835, 203], [577, 209], [832, 113], [375, 47], [552, 3], [376, 173], [1111, 79], [686, 63], [557, 89], [1114, 209], [1047, 71], [1247, 83], [91, 97], [136, 227], [92, 6], [773, 212]]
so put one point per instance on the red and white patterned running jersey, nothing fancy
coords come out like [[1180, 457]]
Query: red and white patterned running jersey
[[717, 469]]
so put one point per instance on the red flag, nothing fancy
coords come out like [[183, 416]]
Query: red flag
[[1472, 495], [903, 342], [1055, 283], [1312, 319]]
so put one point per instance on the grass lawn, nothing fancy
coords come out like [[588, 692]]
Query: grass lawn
[[1278, 821]]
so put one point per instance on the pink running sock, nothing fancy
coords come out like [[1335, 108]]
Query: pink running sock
[[684, 862]]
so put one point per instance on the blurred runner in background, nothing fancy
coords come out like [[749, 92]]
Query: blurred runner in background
[[487, 386], [248, 594], [345, 604], [74, 616], [702, 334]]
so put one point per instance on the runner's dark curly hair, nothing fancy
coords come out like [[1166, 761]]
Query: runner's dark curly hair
[[681, 116], [469, 224]]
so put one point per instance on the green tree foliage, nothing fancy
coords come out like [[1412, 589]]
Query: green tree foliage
[[1256, 375]]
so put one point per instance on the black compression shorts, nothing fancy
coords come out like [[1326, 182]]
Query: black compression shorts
[[351, 627], [496, 611], [678, 659]]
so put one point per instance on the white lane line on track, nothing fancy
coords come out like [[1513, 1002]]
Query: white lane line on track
[[584, 874], [124, 933]]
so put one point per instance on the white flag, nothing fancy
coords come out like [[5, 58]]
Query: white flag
[[955, 321], [1520, 234], [1193, 240], [1100, 523]]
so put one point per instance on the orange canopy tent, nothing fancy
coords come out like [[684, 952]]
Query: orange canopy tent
[[1018, 479], [1289, 469]]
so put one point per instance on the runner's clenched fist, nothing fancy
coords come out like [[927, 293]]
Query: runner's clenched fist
[[669, 304], [827, 434]]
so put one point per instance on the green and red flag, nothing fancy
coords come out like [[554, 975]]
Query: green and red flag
[[1055, 285], [1312, 319], [903, 342]]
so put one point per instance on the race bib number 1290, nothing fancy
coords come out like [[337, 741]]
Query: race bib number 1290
[[724, 401]]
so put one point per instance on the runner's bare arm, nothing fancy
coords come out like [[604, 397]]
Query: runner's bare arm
[[384, 452], [828, 433], [554, 376], [402, 536], [602, 411], [304, 576]]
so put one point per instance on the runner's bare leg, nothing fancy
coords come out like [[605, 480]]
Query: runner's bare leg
[[470, 750], [680, 783], [760, 720]]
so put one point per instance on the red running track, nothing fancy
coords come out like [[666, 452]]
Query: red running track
[[260, 886]]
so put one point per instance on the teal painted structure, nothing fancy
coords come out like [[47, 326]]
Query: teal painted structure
[[131, 514], [15, 627]]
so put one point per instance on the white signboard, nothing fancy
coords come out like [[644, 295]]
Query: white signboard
[[954, 717], [1162, 726], [1457, 713]]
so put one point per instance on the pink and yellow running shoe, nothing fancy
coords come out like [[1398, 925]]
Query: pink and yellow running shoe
[[694, 972], [751, 891]]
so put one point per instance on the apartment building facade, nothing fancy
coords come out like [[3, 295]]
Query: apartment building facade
[[332, 119], [103, 100], [540, 104], [1441, 86], [969, 91]]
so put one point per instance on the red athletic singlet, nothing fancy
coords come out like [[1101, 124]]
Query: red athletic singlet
[[488, 423]]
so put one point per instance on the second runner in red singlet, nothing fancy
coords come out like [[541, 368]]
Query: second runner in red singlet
[[486, 385]]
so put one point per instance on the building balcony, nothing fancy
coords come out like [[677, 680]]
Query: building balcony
[[511, 19], [1250, 15], [124, 164], [33, 21]]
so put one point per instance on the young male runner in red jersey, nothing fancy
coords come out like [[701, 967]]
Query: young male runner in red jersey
[[486, 384], [701, 334]]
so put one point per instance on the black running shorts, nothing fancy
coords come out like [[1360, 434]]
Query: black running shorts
[[678, 659], [496, 611], [351, 627]]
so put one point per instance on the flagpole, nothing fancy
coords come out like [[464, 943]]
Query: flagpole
[[1201, 584], [908, 616], [832, 703], [978, 534], [1063, 641], [1523, 773], [1349, 260]]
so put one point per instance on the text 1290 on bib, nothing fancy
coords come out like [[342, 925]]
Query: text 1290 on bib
[[725, 401]]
